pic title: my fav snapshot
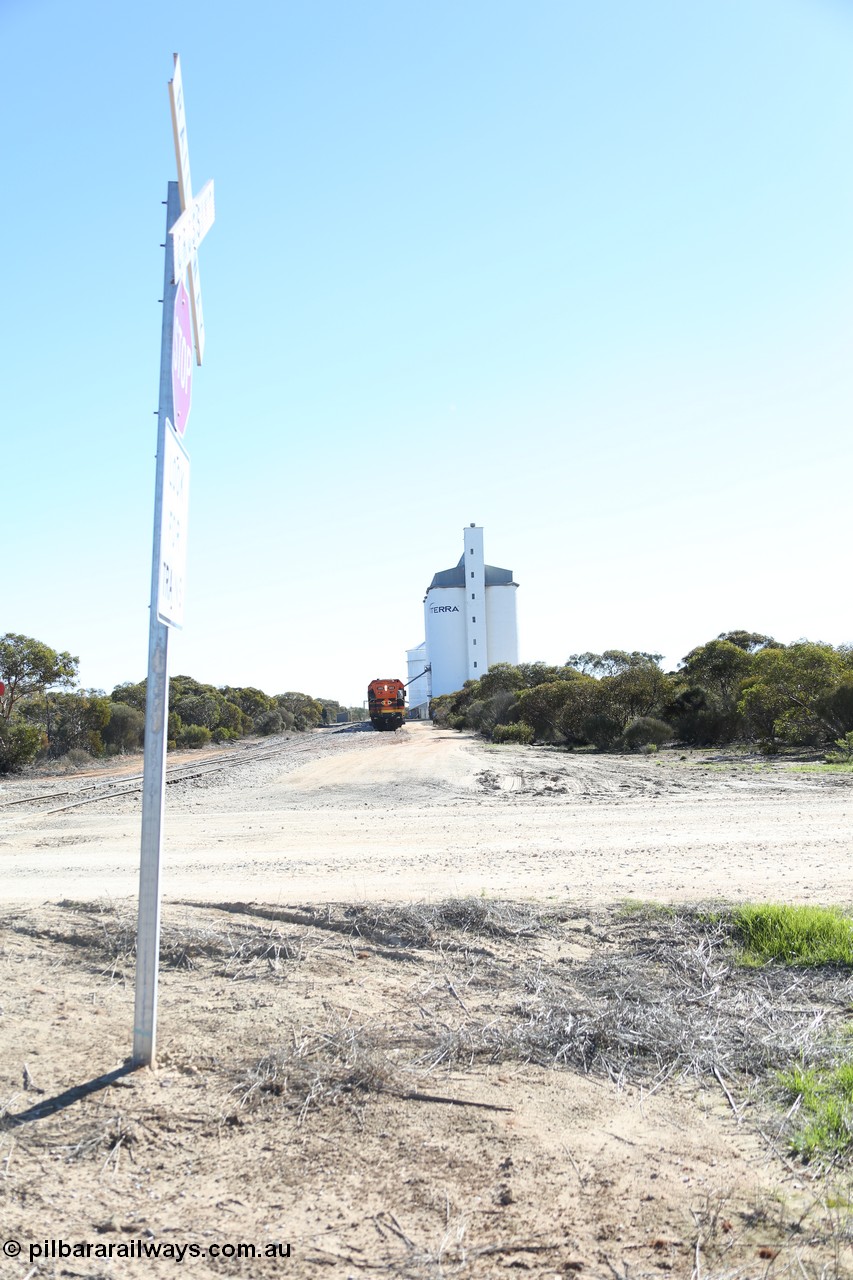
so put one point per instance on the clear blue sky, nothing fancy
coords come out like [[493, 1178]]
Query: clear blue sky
[[580, 273]]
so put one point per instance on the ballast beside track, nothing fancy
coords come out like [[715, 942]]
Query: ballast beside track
[[106, 789]]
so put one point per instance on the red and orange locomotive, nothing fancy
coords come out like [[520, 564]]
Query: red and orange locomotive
[[386, 703]]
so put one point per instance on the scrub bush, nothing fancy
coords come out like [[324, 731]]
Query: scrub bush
[[521, 733], [269, 722], [645, 731], [194, 736], [19, 745]]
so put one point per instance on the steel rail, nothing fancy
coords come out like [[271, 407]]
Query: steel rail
[[178, 773]]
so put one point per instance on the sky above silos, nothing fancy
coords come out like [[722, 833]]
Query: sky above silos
[[579, 273]]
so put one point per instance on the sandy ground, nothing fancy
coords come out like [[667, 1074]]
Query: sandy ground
[[357, 1092], [424, 813]]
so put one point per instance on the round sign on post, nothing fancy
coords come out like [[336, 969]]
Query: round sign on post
[[182, 360]]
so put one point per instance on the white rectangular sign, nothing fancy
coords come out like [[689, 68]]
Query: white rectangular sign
[[191, 228], [179, 129], [173, 530]]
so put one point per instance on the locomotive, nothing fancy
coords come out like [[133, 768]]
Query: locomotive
[[386, 703]]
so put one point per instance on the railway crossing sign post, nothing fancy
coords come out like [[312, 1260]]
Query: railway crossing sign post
[[187, 223]]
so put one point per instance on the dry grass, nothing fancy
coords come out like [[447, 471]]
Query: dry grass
[[674, 999], [663, 997], [106, 932], [647, 996], [452, 1252], [104, 1141], [422, 924], [320, 1068], [453, 922]]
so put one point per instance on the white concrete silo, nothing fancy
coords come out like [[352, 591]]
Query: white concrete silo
[[469, 618], [419, 686], [501, 624], [444, 620]]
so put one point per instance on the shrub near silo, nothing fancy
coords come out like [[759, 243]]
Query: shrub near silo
[[742, 685], [540, 707], [519, 732]]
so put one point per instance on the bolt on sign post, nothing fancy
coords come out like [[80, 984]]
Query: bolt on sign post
[[187, 223]]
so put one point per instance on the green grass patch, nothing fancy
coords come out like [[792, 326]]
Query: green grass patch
[[821, 768], [825, 1098], [794, 935]]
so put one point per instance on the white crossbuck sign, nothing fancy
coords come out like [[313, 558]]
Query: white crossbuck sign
[[196, 214], [191, 228]]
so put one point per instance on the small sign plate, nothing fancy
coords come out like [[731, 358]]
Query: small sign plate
[[182, 360]]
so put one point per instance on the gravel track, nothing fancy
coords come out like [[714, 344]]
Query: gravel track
[[353, 814]]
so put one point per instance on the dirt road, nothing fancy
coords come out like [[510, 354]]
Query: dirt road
[[425, 813]]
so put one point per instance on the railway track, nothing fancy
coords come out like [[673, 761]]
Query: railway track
[[105, 789]]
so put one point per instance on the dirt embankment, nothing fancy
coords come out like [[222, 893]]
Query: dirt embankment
[[472, 1089], [405, 1031]]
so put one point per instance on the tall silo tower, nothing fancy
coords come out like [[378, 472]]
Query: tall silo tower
[[419, 681], [470, 620]]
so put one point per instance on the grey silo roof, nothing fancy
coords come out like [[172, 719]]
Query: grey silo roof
[[495, 577]]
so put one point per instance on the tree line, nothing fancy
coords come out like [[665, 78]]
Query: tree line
[[739, 687], [44, 715]]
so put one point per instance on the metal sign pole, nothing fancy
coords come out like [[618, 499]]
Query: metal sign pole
[[188, 221], [156, 707]]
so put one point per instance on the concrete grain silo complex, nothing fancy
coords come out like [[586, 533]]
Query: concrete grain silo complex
[[470, 623]]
